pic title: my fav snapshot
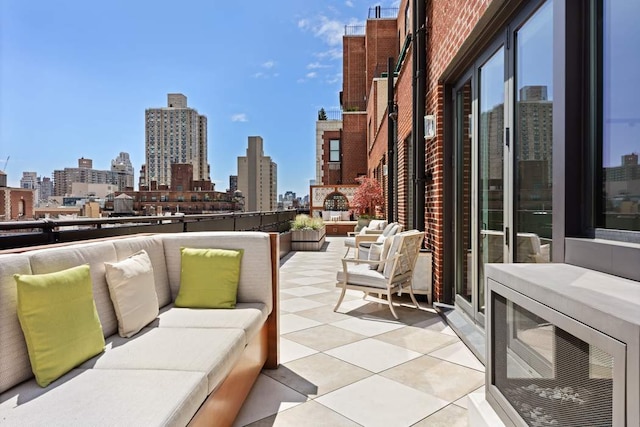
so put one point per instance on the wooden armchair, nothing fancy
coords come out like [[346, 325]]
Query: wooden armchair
[[392, 273]]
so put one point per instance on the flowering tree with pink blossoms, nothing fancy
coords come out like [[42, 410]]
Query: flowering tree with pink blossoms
[[367, 196]]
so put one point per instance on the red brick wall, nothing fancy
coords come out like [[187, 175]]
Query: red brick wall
[[353, 72], [18, 197], [450, 22], [381, 44], [3, 199], [404, 99], [181, 176], [354, 146]]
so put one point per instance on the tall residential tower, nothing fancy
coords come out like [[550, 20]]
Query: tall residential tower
[[174, 134], [257, 178]]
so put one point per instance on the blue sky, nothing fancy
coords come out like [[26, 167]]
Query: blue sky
[[77, 76]]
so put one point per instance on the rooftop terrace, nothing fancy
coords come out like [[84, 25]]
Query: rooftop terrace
[[358, 366]]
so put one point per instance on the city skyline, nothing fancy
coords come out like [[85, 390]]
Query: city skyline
[[264, 70]]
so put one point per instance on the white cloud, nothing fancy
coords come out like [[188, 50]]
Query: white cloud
[[312, 75], [258, 75], [240, 117], [269, 64], [349, 3], [333, 53], [316, 66], [336, 78], [328, 30]]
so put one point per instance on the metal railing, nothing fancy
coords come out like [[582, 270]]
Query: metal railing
[[331, 115], [378, 12], [354, 30], [20, 234]]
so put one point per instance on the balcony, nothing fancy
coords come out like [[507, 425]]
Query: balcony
[[358, 366]]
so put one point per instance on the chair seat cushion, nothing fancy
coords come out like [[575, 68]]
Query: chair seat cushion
[[100, 397], [249, 316], [210, 351], [360, 274]]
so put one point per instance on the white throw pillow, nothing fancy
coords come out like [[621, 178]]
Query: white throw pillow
[[385, 251], [375, 252], [133, 292]]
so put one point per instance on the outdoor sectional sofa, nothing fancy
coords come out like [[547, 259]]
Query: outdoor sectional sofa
[[188, 366]]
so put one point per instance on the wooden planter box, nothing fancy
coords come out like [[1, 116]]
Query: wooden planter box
[[307, 240]]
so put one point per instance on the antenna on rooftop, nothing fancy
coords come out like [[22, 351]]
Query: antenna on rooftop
[[5, 164]]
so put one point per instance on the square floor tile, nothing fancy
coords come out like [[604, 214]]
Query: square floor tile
[[291, 323], [306, 281], [437, 324], [324, 337], [464, 400], [267, 397], [324, 314], [460, 354], [374, 355], [445, 380], [304, 291], [316, 272], [378, 401], [290, 350], [449, 416], [417, 339], [367, 327], [308, 414], [317, 374], [298, 304]]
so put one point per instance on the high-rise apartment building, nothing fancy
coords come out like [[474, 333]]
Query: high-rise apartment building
[[257, 178], [122, 165], [174, 134], [64, 179], [29, 180]]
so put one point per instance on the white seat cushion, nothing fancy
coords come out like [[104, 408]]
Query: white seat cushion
[[100, 397], [360, 274], [247, 316], [210, 351]]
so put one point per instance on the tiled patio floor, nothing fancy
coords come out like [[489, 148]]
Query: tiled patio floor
[[359, 366]]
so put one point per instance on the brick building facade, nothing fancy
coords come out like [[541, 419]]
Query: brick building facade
[[491, 169]]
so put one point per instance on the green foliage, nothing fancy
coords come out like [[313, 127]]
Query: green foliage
[[305, 222]]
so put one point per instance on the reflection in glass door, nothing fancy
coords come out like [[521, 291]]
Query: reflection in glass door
[[491, 188], [533, 143], [463, 207]]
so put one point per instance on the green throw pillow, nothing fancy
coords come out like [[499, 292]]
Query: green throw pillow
[[209, 278], [59, 320]]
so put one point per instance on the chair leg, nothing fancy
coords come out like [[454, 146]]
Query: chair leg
[[347, 253], [391, 305], [413, 298], [344, 291]]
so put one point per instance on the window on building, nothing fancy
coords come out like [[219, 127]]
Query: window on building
[[334, 150], [617, 136]]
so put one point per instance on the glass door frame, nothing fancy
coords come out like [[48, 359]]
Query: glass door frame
[[472, 309], [505, 40]]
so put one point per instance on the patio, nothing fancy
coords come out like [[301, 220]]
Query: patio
[[359, 366]]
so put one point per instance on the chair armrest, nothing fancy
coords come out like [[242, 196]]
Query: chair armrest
[[365, 238], [378, 232], [346, 261], [352, 233]]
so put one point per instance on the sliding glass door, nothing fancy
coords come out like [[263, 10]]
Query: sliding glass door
[[502, 161]]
